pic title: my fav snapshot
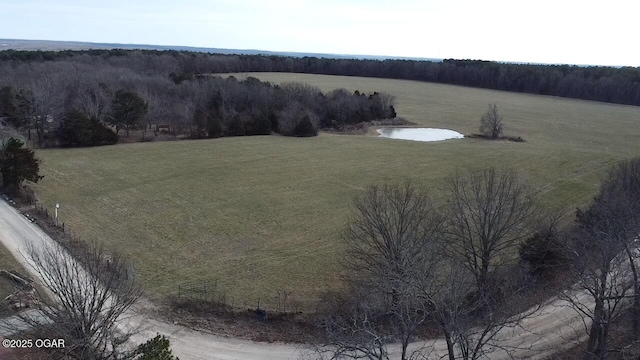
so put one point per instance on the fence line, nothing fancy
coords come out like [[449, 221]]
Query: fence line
[[281, 301]]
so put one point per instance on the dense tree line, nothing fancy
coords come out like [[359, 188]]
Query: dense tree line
[[78, 101], [608, 84]]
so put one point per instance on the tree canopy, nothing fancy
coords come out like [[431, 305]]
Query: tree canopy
[[129, 110], [78, 129], [157, 348], [18, 164], [620, 85]]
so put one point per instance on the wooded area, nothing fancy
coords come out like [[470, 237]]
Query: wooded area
[[599, 83], [77, 101]]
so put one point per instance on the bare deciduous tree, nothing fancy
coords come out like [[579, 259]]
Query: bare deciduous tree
[[87, 296], [491, 123], [619, 202], [490, 213], [95, 101], [356, 332], [605, 254], [400, 278], [46, 101], [302, 93], [474, 325], [394, 228], [604, 281]]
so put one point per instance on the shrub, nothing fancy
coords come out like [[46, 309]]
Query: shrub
[[214, 126], [305, 128], [543, 251], [157, 348], [78, 129]]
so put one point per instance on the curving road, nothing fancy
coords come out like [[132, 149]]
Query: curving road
[[554, 327]]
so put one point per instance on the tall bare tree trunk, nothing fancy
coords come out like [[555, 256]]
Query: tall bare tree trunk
[[636, 294], [594, 333], [595, 346], [450, 348], [636, 307]]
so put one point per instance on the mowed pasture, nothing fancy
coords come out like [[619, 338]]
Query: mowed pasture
[[265, 213]]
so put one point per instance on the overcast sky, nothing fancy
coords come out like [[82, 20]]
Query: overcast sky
[[548, 31]]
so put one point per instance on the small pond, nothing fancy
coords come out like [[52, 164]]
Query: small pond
[[419, 134]]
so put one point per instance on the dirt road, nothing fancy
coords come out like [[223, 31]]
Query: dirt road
[[549, 331]]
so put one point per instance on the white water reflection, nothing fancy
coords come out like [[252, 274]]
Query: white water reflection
[[419, 134]]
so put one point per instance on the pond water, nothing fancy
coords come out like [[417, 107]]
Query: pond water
[[419, 134]]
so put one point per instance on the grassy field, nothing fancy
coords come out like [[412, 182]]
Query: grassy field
[[261, 214], [8, 263]]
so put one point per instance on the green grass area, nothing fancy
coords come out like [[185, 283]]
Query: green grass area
[[8, 263], [265, 213]]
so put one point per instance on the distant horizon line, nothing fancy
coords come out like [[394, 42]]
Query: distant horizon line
[[84, 45]]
